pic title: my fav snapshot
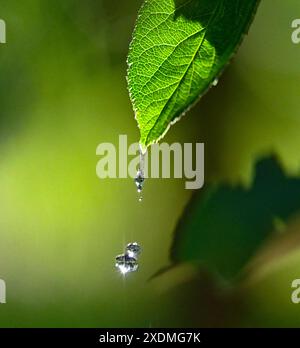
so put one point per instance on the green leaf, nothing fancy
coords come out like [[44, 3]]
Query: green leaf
[[179, 48], [223, 226]]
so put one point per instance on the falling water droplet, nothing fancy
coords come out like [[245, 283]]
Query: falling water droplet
[[126, 263], [133, 249], [139, 180], [215, 82], [140, 176]]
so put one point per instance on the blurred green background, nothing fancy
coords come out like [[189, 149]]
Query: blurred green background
[[62, 92]]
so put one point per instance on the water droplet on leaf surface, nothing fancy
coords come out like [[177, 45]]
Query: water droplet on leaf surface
[[215, 82]]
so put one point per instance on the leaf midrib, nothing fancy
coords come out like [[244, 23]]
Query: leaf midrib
[[191, 62]]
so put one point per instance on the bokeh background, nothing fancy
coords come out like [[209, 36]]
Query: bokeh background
[[62, 92]]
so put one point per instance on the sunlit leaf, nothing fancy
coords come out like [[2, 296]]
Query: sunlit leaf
[[179, 48]]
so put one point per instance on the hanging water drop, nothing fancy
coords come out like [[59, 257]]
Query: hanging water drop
[[139, 180], [126, 263], [140, 176]]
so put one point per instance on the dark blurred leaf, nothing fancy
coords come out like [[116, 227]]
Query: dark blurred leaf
[[223, 226]]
